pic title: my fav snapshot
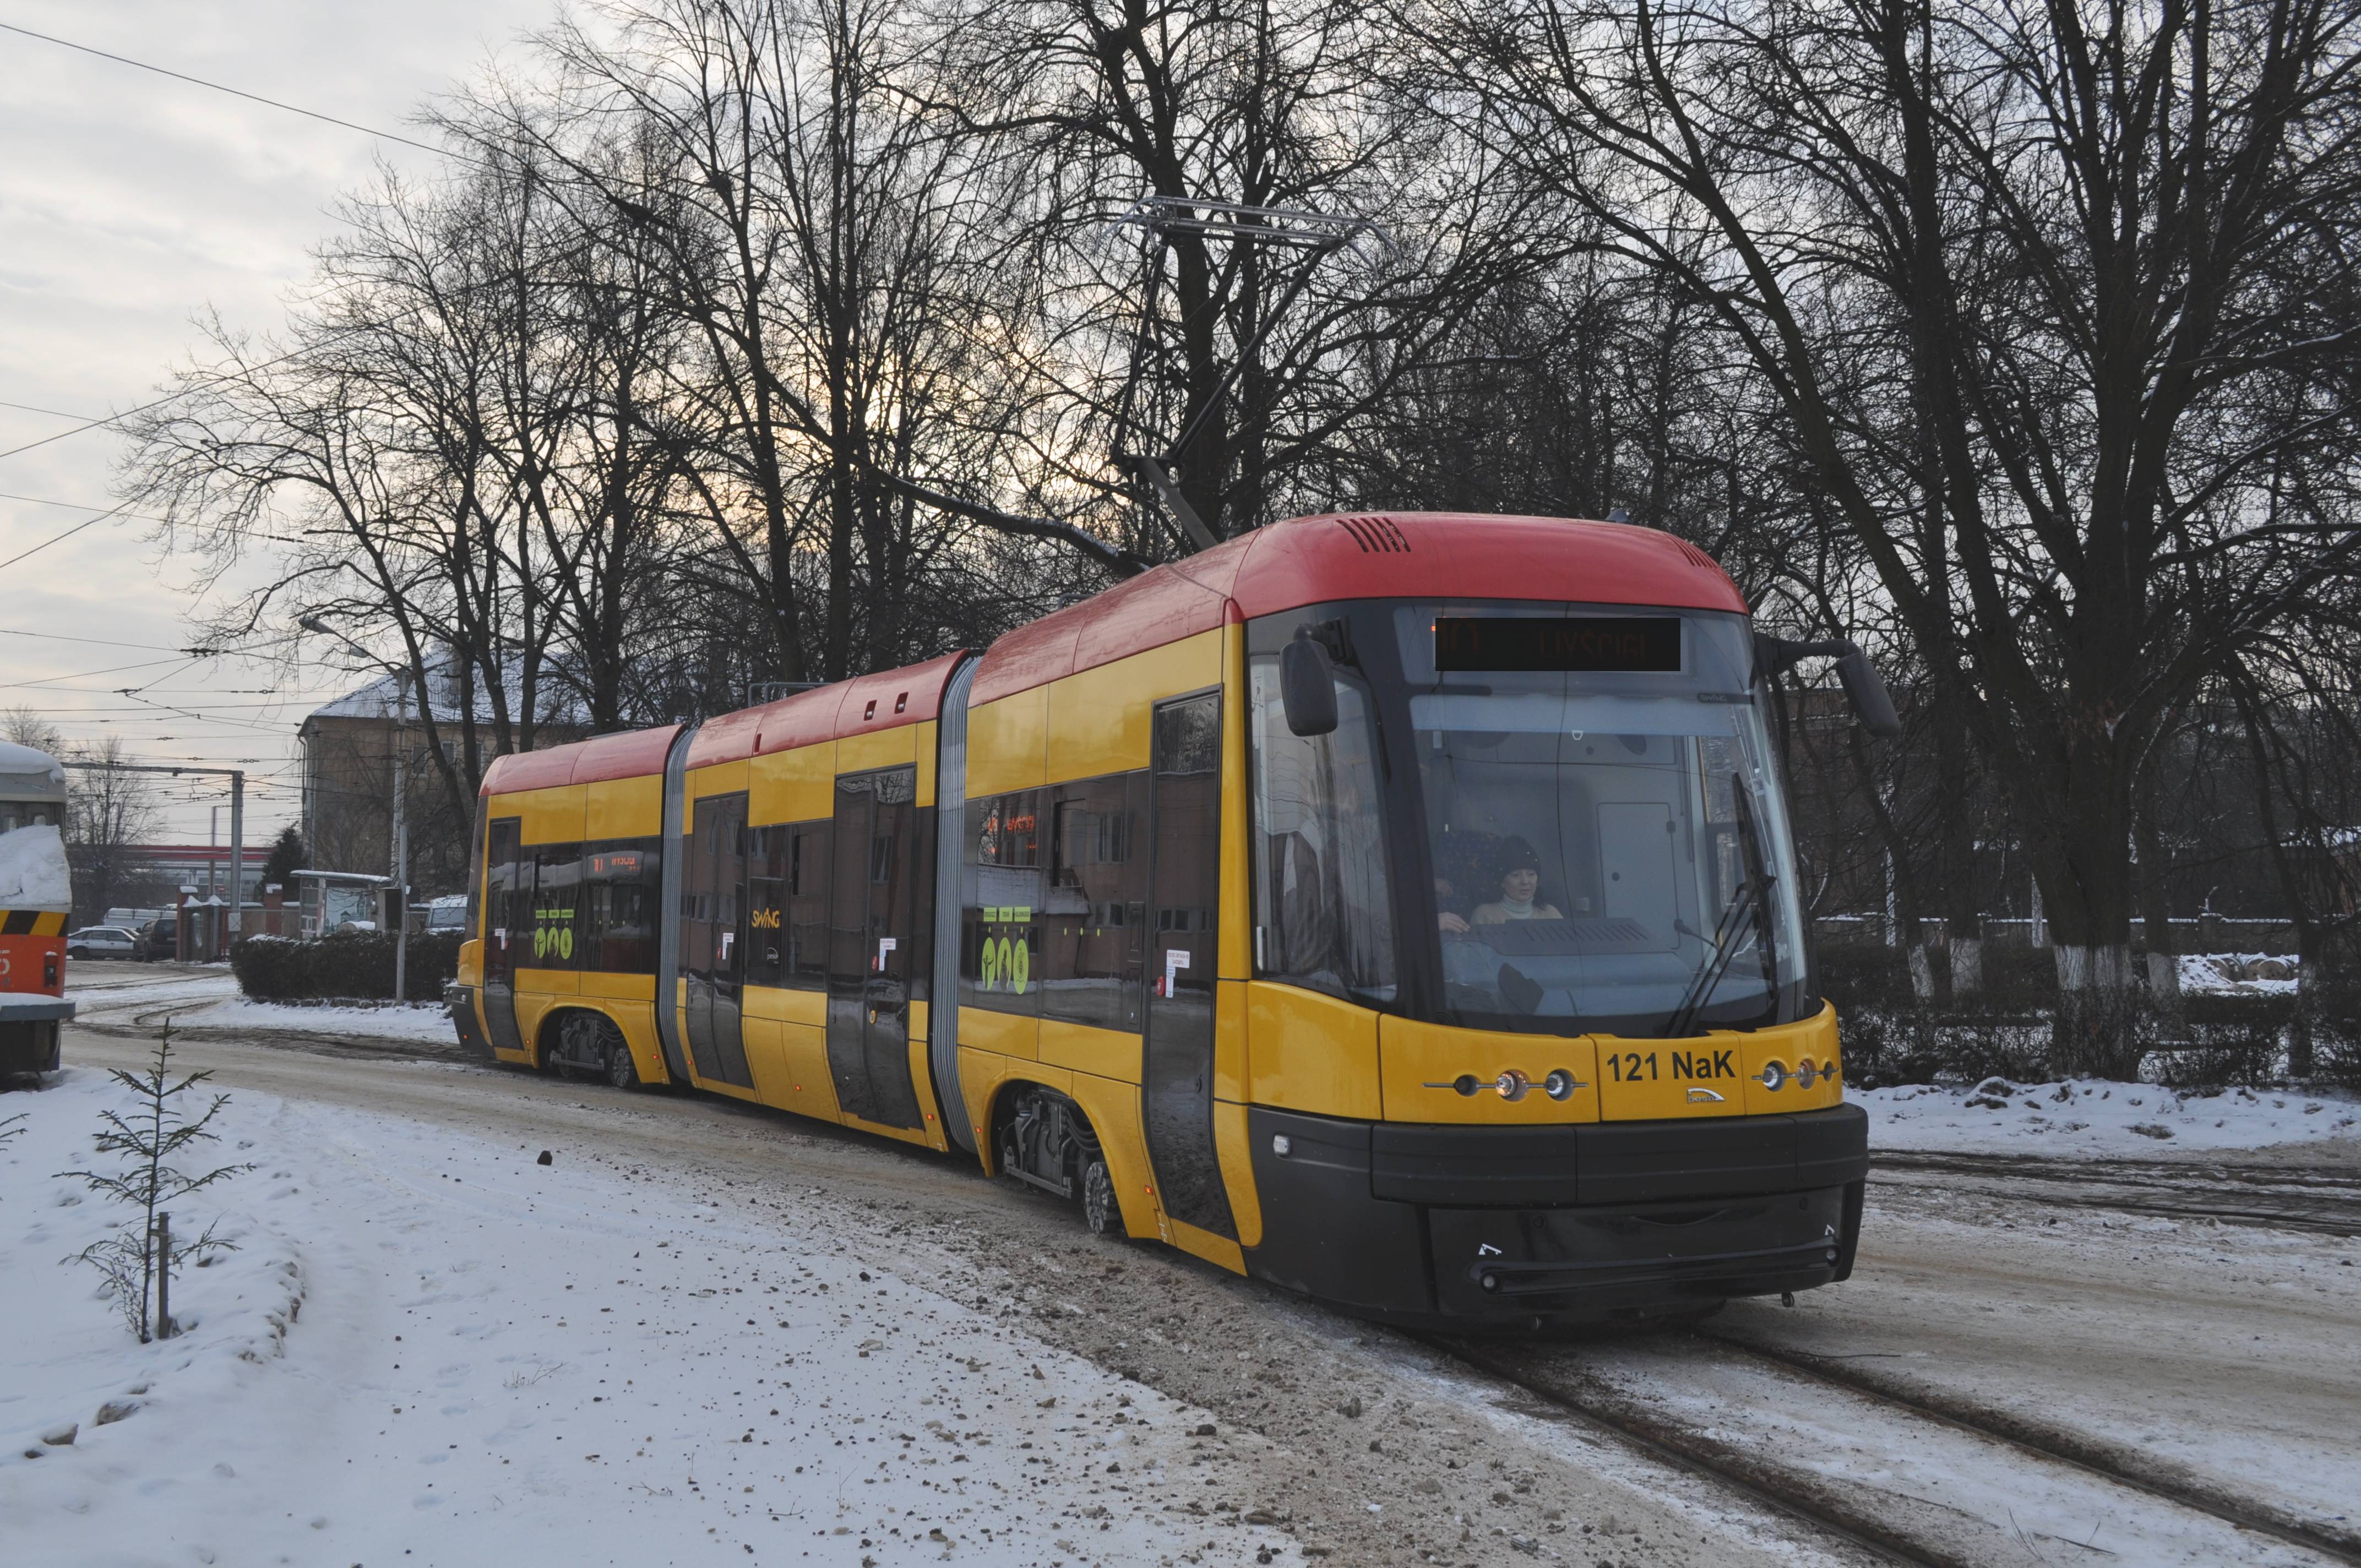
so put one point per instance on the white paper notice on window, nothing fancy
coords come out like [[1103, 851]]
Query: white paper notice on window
[[1175, 961], [884, 946]]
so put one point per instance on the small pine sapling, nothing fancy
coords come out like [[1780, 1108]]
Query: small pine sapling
[[135, 1264]]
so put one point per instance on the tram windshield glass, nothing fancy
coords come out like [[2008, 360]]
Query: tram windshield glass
[[1607, 844], [1604, 819]]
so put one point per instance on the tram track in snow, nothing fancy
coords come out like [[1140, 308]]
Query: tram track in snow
[[2323, 1202], [1697, 1454], [1656, 1410], [2049, 1444]]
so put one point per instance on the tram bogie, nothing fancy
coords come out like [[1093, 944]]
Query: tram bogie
[[1401, 910]]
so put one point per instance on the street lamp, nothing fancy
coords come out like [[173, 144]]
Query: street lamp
[[400, 820]]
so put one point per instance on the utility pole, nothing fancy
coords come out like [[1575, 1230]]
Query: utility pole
[[400, 820], [402, 848]]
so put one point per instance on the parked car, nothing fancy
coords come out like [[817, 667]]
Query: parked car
[[103, 942], [160, 939]]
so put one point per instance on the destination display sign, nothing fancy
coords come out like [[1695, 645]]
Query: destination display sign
[[1593, 643]]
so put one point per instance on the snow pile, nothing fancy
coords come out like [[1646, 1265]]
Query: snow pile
[[33, 873], [502, 1361], [2096, 1116], [424, 1022], [2238, 974]]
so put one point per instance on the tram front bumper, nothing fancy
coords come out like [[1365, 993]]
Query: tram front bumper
[[1466, 1227]]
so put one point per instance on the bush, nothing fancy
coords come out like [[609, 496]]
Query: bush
[[355, 964]]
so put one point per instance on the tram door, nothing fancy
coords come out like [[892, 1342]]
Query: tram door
[[873, 952], [508, 915], [1184, 882], [713, 938]]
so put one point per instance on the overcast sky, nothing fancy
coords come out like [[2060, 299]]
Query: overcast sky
[[130, 203]]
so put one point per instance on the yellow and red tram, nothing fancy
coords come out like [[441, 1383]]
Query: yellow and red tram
[[36, 899], [1399, 908]]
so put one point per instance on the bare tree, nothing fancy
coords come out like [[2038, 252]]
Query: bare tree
[[110, 814], [2023, 278], [24, 725]]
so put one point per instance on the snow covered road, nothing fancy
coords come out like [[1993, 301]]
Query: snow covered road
[[2221, 1359]]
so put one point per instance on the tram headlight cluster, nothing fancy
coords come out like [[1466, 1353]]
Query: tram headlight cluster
[[1513, 1084], [1776, 1075]]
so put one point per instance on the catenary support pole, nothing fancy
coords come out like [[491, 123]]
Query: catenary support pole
[[400, 849], [237, 852]]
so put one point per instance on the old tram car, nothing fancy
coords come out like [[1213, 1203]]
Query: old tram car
[[36, 900], [1400, 909]]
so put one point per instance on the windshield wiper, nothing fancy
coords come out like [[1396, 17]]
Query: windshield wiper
[[1734, 921]]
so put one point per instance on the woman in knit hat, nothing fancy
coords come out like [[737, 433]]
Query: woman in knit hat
[[1520, 886]]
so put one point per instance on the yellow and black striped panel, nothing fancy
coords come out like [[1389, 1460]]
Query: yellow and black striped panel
[[32, 922]]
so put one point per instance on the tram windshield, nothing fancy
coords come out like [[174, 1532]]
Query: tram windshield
[[1608, 844], [1606, 839]]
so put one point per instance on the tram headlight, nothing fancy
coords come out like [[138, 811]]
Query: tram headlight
[[1512, 1085], [1774, 1076], [1807, 1074], [1560, 1084]]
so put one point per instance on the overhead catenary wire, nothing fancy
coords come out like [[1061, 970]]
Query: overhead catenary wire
[[79, 506], [238, 92], [60, 538], [37, 409], [99, 641]]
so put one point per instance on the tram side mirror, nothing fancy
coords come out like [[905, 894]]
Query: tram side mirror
[[1307, 685], [1864, 688]]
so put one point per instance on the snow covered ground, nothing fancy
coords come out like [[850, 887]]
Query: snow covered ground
[[2238, 974], [422, 1021], [431, 1348], [124, 994], [2092, 1117]]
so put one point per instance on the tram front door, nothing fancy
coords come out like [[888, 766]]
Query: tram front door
[[713, 938], [873, 916], [508, 916], [1177, 1078]]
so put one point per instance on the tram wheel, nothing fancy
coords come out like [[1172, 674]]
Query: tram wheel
[[621, 1070], [577, 1041], [1101, 1212]]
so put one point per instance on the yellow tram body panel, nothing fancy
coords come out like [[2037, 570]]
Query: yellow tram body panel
[[1339, 1136]]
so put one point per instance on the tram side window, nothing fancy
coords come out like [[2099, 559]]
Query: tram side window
[[556, 939], [508, 895], [475, 873], [1323, 913], [807, 914], [15, 813], [786, 882], [1000, 925], [1094, 913], [767, 849], [622, 885]]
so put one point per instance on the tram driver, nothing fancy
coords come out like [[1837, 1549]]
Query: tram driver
[[1520, 886]]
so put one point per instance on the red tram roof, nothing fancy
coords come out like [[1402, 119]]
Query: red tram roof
[[623, 756], [1351, 555], [889, 699], [1307, 560]]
